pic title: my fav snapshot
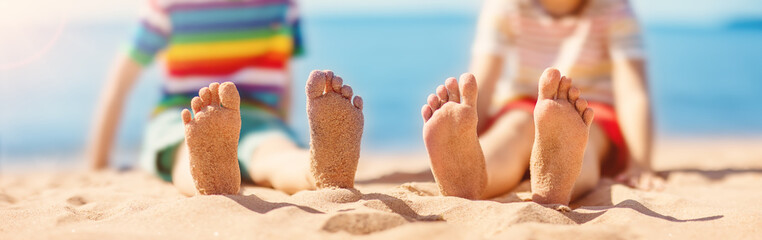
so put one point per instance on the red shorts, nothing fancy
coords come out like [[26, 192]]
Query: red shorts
[[605, 117]]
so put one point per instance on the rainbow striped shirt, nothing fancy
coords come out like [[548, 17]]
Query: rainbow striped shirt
[[248, 42], [583, 47]]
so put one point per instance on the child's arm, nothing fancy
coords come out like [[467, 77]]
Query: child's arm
[[487, 70], [489, 49], [633, 106], [109, 111]]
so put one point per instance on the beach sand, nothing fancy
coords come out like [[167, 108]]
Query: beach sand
[[713, 191]]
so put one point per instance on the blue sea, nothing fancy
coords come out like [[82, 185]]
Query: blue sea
[[705, 81]]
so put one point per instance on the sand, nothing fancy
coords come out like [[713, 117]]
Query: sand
[[713, 190]]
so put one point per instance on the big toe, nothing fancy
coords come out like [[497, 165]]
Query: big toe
[[549, 82], [316, 83], [229, 96], [468, 89]]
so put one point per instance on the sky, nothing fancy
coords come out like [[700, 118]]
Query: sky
[[18, 18], [13, 12]]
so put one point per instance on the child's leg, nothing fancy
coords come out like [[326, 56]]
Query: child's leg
[[561, 119], [281, 164], [562, 123], [597, 146], [507, 146], [449, 133], [499, 157], [181, 176], [211, 138], [336, 124]]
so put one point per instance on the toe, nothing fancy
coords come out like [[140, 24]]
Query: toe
[[452, 89], [588, 116], [196, 104], [426, 113], [581, 105], [433, 101], [563, 88], [442, 94], [573, 94], [186, 116], [229, 97], [358, 102], [549, 82], [214, 88], [316, 84], [206, 96], [468, 89], [346, 91], [336, 84], [329, 75]]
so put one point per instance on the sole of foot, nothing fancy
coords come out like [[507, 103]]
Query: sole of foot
[[336, 126], [449, 133], [211, 135], [562, 123]]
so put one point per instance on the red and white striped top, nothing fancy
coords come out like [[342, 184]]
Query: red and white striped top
[[582, 47]]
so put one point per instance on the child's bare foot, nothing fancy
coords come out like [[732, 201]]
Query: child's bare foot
[[212, 139], [449, 132], [336, 125], [562, 122]]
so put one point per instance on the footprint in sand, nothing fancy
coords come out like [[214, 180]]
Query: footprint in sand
[[5, 198], [327, 195], [336, 126], [562, 123], [363, 223], [76, 201], [212, 139]]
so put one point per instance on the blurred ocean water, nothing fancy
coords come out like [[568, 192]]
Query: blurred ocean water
[[705, 81]]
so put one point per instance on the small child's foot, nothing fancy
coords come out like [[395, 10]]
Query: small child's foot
[[562, 122], [449, 132], [212, 139], [336, 125]]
